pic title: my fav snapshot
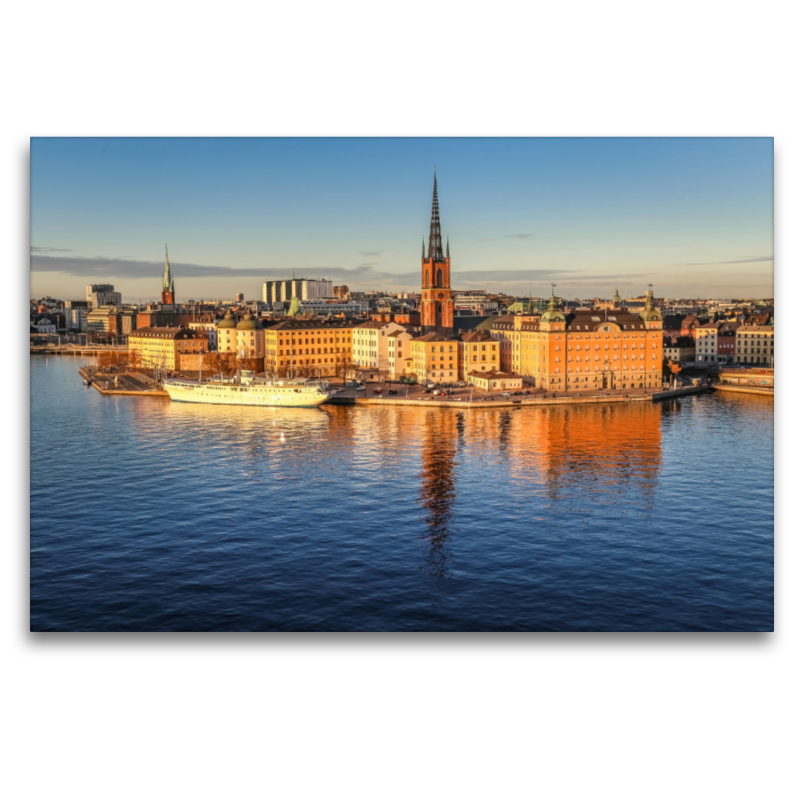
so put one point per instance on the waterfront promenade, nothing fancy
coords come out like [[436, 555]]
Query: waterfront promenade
[[142, 385]]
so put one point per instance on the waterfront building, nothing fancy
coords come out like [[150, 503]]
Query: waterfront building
[[738, 376], [164, 347], [102, 294], [726, 342], [309, 347], [399, 348], [585, 348], [679, 349], [247, 340], [370, 343], [478, 352], [755, 344], [167, 285], [494, 381], [706, 340], [226, 333], [435, 358], [436, 307]]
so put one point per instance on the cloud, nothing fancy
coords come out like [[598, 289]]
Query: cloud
[[507, 236], [129, 268], [370, 252], [51, 250], [748, 260]]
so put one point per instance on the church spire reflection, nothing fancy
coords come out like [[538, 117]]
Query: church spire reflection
[[442, 434]]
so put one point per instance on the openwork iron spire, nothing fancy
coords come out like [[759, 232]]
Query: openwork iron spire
[[168, 284], [435, 240]]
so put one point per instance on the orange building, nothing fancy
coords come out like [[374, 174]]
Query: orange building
[[436, 308], [587, 349], [309, 347]]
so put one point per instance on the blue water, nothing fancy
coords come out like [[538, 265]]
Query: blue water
[[151, 516]]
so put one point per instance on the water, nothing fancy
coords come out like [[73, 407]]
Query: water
[[148, 515]]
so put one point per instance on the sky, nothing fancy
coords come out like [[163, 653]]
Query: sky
[[692, 216]]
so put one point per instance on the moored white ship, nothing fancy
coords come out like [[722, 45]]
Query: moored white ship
[[245, 389]]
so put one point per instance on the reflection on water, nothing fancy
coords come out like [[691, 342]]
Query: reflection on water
[[392, 518], [437, 481]]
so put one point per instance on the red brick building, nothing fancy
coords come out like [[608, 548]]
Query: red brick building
[[436, 308]]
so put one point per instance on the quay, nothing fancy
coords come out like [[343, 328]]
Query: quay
[[350, 398], [139, 384], [123, 383], [765, 391]]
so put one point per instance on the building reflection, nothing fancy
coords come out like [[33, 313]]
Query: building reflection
[[575, 452], [442, 434]]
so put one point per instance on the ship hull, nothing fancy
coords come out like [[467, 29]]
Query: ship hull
[[257, 395]]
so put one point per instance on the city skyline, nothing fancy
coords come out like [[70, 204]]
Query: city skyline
[[693, 216]]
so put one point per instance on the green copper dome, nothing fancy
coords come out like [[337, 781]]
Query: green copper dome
[[553, 313], [248, 323], [294, 307], [650, 313], [228, 321]]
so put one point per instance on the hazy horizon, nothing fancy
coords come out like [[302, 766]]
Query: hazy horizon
[[693, 216]]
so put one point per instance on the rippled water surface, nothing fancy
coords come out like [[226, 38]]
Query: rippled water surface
[[148, 515]]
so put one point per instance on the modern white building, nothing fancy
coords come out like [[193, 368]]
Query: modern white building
[[301, 288], [102, 294]]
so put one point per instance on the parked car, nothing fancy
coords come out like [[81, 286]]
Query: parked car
[[377, 391], [359, 388], [428, 391], [392, 391]]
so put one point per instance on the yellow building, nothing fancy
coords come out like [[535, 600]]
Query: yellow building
[[586, 349], [435, 358], [308, 347], [164, 347], [479, 352]]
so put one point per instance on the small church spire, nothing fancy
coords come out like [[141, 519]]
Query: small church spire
[[448, 247], [423, 247]]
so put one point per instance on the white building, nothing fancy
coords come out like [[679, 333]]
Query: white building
[[209, 329], [705, 343], [46, 326], [371, 344], [399, 349], [474, 301], [102, 294], [302, 288]]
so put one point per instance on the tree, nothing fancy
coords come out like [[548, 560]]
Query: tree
[[344, 366], [134, 359]]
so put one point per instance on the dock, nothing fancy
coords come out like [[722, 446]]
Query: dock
[[135, 384], [350, 399]]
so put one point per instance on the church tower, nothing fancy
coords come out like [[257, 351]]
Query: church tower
[[167, 285], [436, 310]]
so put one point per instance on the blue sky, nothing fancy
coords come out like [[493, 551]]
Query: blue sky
[[692, 216]]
